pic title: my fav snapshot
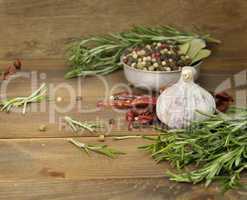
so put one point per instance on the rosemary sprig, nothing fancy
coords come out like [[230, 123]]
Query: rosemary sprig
[[36, 96], [77, 125], [101, 54], [216, 146], [97, 148]]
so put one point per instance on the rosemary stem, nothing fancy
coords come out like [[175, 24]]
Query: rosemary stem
[[127, 137], [74, 123], [76, 143]]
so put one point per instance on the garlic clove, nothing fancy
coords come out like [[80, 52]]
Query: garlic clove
[[188, 74]]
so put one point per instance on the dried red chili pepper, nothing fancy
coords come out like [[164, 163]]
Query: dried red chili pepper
[[125, 100], [11, 69]]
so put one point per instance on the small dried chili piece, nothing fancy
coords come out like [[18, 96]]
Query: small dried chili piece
[[11, 69], [223, 101], [142, 116], [17, 64]]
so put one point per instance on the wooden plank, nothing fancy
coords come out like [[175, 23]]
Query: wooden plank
[[41, 29], [115, 189], [51, 159], [15, 125], [55, 169]]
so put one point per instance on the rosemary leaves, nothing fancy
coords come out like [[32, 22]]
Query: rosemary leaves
[[77, 125], [101, 54], [216, 146], [36, 96], [97, 148]]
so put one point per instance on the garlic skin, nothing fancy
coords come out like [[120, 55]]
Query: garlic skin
[[177, 105]]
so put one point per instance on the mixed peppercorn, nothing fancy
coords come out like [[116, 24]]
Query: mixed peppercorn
[[156, 57]]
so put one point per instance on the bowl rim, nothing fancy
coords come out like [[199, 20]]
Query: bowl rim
[[158, 72]]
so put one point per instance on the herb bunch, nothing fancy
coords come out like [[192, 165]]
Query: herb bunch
[[97, 148], [36, 96], [101, 54], [216, 147]]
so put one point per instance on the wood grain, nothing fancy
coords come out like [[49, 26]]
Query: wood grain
[[55, 169], [41, 29], [114, 189], [49, 159]]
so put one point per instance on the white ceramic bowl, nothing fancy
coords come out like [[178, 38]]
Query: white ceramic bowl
[[153, 80]]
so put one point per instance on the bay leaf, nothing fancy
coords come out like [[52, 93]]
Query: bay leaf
[[195, 46], [203, 53], [183, 48]]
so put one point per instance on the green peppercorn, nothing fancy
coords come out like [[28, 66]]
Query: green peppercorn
[[155, 65], [134, 55], [169, 52], [148, 46], [133, 64], [148, 63], [167, 69], [139, 66], [163, 63]]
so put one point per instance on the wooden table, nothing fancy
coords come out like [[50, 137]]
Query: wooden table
[[44, 165]]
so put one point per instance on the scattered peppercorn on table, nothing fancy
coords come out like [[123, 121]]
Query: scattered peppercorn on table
[[37, 164]]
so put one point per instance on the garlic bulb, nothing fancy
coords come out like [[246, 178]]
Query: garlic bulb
[[177, 105]]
